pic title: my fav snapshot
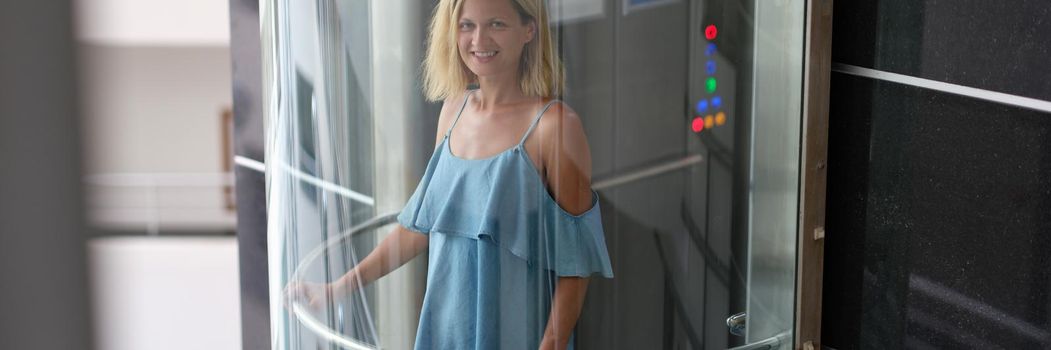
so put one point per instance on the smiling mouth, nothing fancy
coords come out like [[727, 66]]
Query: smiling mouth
[[484, 54]]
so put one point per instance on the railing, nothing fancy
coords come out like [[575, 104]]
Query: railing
[[771, 343], [143, 200], [303, 314]]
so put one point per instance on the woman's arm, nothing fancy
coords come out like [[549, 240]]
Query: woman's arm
[[565, 310], [398, 248], [403, 244], [566, 164]]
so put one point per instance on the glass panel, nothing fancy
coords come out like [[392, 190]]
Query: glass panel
[[691, 111], [320, 184], [774, 195]]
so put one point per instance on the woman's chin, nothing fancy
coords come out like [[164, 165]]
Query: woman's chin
[[485, 72]]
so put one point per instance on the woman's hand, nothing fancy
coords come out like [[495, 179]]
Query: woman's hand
[[309, 294], [398, 248], [313, 295]]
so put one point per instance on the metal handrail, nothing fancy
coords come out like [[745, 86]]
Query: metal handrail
[[303, 314], [771, 343], [646, 173]]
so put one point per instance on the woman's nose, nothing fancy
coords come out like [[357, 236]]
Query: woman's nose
[[479, 35]]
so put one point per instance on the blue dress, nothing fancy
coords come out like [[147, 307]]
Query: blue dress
[[497, 244]]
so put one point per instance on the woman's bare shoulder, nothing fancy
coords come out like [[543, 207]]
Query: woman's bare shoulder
[[561, 126], [450, 106], [566, 162]]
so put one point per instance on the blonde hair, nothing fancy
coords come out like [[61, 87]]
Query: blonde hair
[[445, 74]]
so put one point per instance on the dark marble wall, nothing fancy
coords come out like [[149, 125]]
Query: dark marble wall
[[250, 184], [1001, 46], [939, 205]]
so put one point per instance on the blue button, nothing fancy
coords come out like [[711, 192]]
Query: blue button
[[702, 106], [710, 67], [710, 50], [717, 101]]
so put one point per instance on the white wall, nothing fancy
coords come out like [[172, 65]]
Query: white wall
[[153, 22], [156, 112], [154, 109], [164, 293]]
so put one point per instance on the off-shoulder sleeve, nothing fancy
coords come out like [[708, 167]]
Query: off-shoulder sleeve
[[407, 217], [575, 244], [515, 212], [410, 217]]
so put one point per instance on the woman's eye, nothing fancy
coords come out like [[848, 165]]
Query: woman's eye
[[464, 26], [498, 24]]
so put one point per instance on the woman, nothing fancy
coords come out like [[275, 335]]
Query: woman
[[505, 207]]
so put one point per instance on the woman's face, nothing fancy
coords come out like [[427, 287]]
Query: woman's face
[[491, 37]]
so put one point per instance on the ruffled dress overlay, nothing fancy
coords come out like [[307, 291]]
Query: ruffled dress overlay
[[497, 244]]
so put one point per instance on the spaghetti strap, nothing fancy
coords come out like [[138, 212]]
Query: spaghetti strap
[[462, 107], [536, 120]]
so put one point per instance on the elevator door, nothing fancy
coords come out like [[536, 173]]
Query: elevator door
[[692, 110]]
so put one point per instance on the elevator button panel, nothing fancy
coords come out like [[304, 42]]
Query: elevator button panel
[[708, 108]]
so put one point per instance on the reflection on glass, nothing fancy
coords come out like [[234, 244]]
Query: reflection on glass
[[663, 150], [320, 182]]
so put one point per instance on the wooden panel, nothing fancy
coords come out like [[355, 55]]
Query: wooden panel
[[812, 183]]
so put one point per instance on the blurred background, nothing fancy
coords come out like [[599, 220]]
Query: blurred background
[[117, 136]]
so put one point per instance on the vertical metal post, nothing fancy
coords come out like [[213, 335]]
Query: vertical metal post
[[246, 56], [400, 152]]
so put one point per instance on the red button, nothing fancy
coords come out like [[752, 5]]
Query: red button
[[698, 124], [710, 31]]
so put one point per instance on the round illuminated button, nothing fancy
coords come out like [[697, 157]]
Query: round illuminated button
[[698, 124], [717, 101], [710, 84], [702, 106], [720, 118], [708, 51], [710, 32], [710, 67], [709, 121]]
